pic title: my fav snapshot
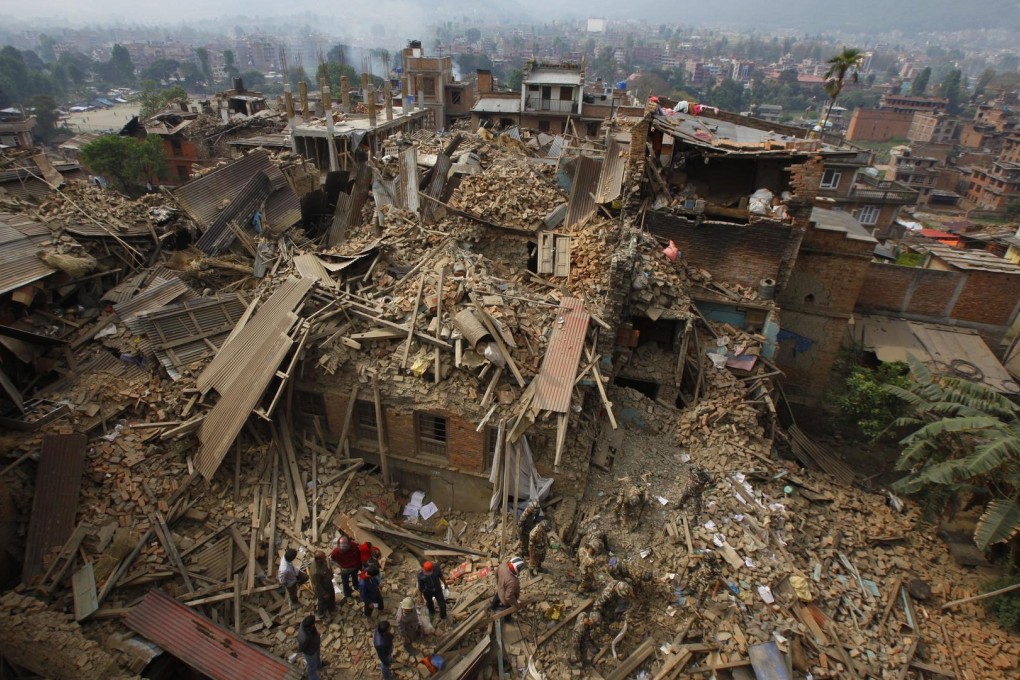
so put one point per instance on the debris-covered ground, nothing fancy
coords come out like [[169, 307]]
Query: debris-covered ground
[[735, 551]]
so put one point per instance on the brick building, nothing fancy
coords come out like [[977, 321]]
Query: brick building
[[912, 103], [878, 125], [934, 128], [850, 184]]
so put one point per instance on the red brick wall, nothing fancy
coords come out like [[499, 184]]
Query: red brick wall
[[986, 300], [732, 253], [878, 125]]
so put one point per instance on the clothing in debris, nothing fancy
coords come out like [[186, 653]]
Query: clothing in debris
[[308, 643], [322, 584], [347, 555], [430, 585], [409, 625], [382, 640], [538, 547], [614, 599], [529, 518], [630, 503], [370, 591], [595, 538]]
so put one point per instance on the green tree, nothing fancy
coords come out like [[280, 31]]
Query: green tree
[[950, 90], [845, 64], [46, 44], [229, 65], [119, 70], [966, 437], [647, 84], [728, 95], [160, 70], [332, 72], [920, 83], [14, 79], [154, 100], [44, 108], [127, 161], [866, 409], [295, 75], [203, 63], [604, 64], [515, 79]]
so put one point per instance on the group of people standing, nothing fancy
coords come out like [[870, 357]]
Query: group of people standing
[[360, 570]]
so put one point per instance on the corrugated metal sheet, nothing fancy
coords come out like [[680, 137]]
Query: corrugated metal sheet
[[125, 290], [238, 214], [440, 174], [224, 422], [161, 292], [407, 182], [55, 503], [310, 267], [91, 230], [105, 362], [180, 334], [611, 179], [582, 200], [20, 241], [556, 148], [359, 195], [341, 220], [203, 196], [555, 381], [206, 647], [232, 358], [280, 140]]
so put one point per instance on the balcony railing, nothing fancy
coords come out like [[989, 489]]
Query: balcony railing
[[550, 105]]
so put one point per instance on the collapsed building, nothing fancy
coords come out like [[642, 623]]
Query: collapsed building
[[412, 343]]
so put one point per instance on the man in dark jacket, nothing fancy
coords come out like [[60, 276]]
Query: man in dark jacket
[[430, 585], [347, 556], [308, 642], [370, 591], [322, 583], [383, 643]]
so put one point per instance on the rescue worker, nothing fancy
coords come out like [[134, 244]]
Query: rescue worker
[[508, 586], [409, 625], [630, 503], [347, 556], [586, 563], [596, 539], [529, 518], [290, 576], [614, 600], [322, 584], [430, 586], [538, 546], [582, 638], [382, 640], [370, 591]]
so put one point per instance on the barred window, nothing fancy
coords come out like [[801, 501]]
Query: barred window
[[432, 435]]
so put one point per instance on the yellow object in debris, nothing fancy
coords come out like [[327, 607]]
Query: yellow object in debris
[[419, 366], [553, 613], [801, 587]]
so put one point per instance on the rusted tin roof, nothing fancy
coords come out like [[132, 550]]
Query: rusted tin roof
[[55, 504], [206, 647], [21, 240], [582, 192], [555, 382]]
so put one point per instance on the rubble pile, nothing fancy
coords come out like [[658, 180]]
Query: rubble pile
[[201, 383]]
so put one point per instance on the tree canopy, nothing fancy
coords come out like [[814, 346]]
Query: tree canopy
[[127, 161], [153, 100]]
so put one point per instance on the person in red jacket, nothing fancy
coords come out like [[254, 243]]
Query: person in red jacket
[[370, 555], [347, 556]]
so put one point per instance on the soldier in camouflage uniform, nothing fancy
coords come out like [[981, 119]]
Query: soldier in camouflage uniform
[[529, 518], [586, 562], [700, 584], [538, 546], [630, 503], [596, 539], [614, 599], [582, 638], [620, 570]]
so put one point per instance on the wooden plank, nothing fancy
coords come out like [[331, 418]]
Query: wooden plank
[[380, 430], [634, 661], [561, 438], [223, 597], [978, 598], [348, 419], [487, 322], [237, 600], [256, 530], [295, 473], [602, 387], [336, 502], [62, 562], [270, 551], [674, 663], [86, 598], [124, 565], [414, 320], [373, 526], [453, 640]]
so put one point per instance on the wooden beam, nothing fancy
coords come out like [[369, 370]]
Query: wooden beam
[[484, 317], [373, 526], [563, 622], [336, 502], [380, 430], [977, 598], [348, 419], [123, 567], [634, 661], [414, 320], [561, 438], [602, 387]]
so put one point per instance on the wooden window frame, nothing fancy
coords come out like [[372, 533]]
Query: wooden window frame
[[364, 433], [425, 424]]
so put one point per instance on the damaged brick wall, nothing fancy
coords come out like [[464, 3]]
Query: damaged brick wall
[[731, 253], [984, 301]]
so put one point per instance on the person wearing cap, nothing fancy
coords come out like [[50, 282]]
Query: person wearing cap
[[382, 640], [614, 599], [430, 585], [582, 639], [409, 625], [538, 546], [508, 585], [370, 590], [322, 584], [308, 643], [290, 576], [529, 518], [347, 556]]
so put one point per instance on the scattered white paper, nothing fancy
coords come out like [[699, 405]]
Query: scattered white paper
[[766, 594], [414, 505], [428, 510], [710, 525], [662, 500]]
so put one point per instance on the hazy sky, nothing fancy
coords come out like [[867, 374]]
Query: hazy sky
[[340, 17]]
